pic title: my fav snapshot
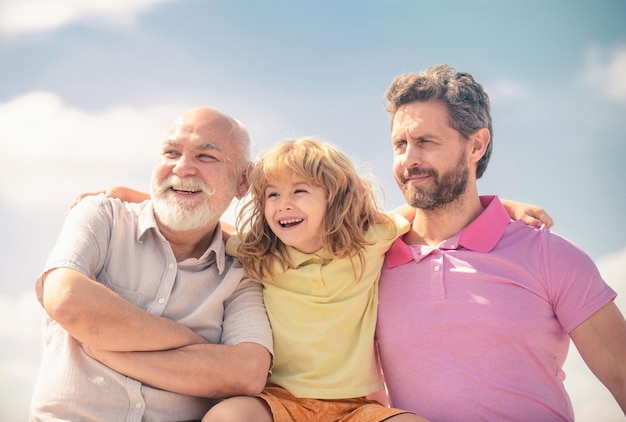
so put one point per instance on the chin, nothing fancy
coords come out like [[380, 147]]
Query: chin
[[178, 217]]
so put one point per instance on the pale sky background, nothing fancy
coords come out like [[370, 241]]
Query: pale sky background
[[87, 89]]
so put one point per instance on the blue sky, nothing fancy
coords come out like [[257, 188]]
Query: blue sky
[[88, 88]]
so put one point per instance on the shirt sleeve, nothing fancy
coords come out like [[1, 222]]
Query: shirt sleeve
[[232, 244], [402, 225], [245, 318], [575, 287], [84, 238]]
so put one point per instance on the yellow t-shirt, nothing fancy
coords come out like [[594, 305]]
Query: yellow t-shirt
[[323, 319]]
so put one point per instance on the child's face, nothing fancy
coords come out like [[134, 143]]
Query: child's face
[[294, 210]]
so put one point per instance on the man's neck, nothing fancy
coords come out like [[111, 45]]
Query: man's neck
[[188, 244], [433, 227]]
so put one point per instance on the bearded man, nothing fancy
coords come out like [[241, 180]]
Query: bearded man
[[147, 318], [476, 311]]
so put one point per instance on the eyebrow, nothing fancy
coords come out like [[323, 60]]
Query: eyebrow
[[202, 147]]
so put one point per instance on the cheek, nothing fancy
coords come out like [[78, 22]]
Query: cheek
[[160, 173], [398, 167], [267, 212]]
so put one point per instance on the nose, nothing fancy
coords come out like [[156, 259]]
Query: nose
[[184, 166], [411, 156], [285, 204]]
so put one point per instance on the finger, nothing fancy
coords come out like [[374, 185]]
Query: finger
[[538, 221], [532, 221], [544, 218]]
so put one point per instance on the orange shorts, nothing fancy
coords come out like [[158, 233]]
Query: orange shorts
[[285, 407]]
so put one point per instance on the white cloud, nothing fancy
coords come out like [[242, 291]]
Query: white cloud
[[505, 91], [20, 17], [605, 69], [53, 149]]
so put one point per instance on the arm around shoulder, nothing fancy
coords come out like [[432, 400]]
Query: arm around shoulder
[[532, 215]]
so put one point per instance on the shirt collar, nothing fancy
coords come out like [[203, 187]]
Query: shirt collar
[[216, 249], [299, 259], [481, 235]]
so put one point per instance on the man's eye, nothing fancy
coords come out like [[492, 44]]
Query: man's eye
[[399, 145], [300, 191], [207, 157], [171, 154]]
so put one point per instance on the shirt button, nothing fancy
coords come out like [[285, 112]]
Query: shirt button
[[170, 266], [138, 405], [437, 267], [161, 301]]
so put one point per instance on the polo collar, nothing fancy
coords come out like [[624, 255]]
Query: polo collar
[[481, 235], [300, 259]]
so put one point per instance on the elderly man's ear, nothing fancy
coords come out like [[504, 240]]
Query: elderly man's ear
[[244, 183]]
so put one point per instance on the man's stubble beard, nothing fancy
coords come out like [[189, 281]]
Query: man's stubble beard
[[447, 187]]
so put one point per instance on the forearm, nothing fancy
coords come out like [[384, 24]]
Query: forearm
[[206, 370], [95, 315], [406, 211], [621, 398], [601, 341]]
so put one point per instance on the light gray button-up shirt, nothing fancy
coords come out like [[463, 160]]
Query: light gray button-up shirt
[[120, 245]]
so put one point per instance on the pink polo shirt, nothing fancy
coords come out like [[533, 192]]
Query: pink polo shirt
[[476, 328]]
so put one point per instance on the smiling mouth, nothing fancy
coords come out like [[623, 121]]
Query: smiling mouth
[[185, 192], [416, 178], [291, 222]]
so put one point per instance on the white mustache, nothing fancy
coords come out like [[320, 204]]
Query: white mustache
[[189, 184]]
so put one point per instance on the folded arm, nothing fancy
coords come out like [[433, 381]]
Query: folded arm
[[601, 341], [95, 315], [203, 370]]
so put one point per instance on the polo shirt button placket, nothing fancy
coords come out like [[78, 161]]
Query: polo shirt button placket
[[437, 275]]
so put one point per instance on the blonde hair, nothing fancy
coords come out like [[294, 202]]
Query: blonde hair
[[351, 208]]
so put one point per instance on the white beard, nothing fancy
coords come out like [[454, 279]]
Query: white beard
[[179, 214]]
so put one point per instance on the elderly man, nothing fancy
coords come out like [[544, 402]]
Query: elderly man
[[147, 318], [476, 311]]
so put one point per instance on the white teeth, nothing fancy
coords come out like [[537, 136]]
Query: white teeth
[[290, 221], [185, 190]]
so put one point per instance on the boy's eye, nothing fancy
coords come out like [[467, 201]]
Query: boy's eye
[[300, 191], [271, 195]]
